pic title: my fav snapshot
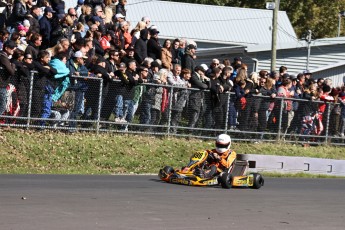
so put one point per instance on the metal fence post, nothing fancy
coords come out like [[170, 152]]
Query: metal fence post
[[32, 73], [99, 105], [280, 118], [227, 114], [327, 122], [170, 106]]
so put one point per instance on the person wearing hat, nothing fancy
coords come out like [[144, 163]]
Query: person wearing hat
[[237, 61], [77, 68], [9, 71], [46, 27], [92, 101], [196, 97], [153, 46], [35, 12], [120, 18], [140, 46], [187, 61]]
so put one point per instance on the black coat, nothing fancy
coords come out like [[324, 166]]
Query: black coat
[[154, 49], [120, 9], [45, 31], [19, 13], [196, 96], [34, 24], [140, 50], [188, 62]]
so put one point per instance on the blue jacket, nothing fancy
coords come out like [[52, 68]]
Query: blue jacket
[[62, 73]]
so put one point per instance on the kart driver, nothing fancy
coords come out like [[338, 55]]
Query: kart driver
[[221, 157]]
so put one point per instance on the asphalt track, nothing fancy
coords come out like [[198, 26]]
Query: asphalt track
[[42, 202]]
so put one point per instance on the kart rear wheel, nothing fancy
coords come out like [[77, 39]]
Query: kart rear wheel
[[226, 180], [258, 180]]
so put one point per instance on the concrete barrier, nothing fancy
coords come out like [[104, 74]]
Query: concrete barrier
[[285, 164]]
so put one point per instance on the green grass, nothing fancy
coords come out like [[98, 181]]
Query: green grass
[[47, 152]]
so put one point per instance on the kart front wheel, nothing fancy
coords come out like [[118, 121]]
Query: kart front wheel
[[258, 181], [226, 180], [165, 172]]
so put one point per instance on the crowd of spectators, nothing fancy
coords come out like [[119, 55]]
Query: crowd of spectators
[[93, 40]]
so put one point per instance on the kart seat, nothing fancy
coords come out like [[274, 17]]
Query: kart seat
[[239, 167]]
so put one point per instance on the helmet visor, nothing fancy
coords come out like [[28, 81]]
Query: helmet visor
[[221, 146]]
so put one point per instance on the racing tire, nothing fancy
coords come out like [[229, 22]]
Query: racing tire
[[168, 169], [258, 181], [226, 180], [165, 172]]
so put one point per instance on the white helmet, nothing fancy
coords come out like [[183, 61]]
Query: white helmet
[[223, 143]]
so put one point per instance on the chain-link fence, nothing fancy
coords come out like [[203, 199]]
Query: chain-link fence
[[82, 103]]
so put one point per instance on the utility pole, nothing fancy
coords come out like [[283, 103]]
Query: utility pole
[[308, 39], [274, 35], [340, 15]]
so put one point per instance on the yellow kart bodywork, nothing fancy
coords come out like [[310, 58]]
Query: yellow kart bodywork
[[233, 177]]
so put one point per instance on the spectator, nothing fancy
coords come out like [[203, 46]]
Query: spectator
[[175, 51], [118, 108], [237, 62], [153, 46], [19, 12], [181, 49], [147, 21], [283, 91], [129, 55], [198, 81], [159, 109], [129, 90], [93, 3], [42, 86], [4, 35], [166, 55], [140, 47], [78, 32], [86, 14], [215, 64], [77, 68], [187, 61], [135, 33], [108, 19], [93, 93], [119, 18], [123, 37], [139, 89], [96, 43], [222, 109], [180, 96], [268, 92], [307, 74], [46, 27], [33, 19], [120, 8], [342, 112], [9, 71], [148, 97]]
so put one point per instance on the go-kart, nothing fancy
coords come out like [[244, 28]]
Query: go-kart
[[234, 176]]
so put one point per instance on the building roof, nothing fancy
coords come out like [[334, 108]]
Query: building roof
[[214, 24]]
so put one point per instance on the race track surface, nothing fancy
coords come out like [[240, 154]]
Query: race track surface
[[42, 202]]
